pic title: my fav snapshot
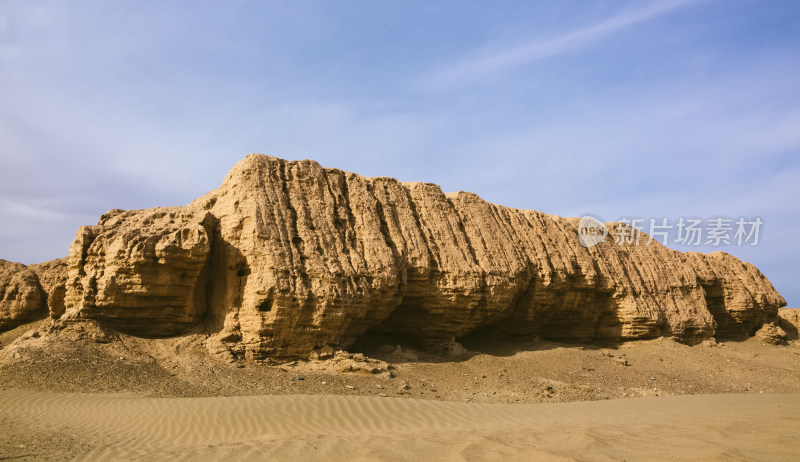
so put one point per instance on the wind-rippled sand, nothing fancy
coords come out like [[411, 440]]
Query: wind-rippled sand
[[46, 425]]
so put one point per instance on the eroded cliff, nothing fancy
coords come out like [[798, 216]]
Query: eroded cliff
[[31, 292], [288, 257]]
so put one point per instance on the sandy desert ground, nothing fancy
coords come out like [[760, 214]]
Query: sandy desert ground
[[123, 427], [121, 397]]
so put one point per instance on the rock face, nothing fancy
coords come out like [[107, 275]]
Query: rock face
[[21, 297], [141, 271], [739, 297], [789, 321], [31, 292], [286, 258], [53, 280]]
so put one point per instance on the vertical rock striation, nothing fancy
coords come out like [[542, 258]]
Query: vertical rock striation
[[52, 277], [286, 257], [306, 257], [141, 271], [21, 296]]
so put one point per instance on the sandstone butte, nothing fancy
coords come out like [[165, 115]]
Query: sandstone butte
[[287, 258]]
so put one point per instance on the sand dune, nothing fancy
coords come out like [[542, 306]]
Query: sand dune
[[715, 427]]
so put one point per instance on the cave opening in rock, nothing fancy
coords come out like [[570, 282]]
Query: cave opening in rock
[[490, 338], [401, 328], [265, 305], [727, 327], [242, 270], [377, 340]]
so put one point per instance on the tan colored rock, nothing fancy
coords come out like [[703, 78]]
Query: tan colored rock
[[789, 320], [299, 261], [286, 258], [772, 334], [141, 271], [740, 298], [21, 296], [52, 276]]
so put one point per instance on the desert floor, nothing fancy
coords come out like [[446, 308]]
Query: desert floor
[[63, 396]]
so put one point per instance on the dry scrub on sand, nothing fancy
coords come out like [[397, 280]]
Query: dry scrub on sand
[[91, 392]]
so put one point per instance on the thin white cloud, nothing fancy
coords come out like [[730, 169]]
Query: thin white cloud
[[490, 63]]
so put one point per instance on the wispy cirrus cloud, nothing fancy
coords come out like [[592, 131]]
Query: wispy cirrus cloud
[[497, 60]]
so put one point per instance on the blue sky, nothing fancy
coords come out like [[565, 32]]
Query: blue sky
[[611, 108]]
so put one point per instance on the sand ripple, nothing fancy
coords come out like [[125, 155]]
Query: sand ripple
[[722, 427]]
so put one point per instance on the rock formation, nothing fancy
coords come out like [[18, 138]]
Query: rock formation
[[31, 292], [141, 271], [789, 322], [52, 277], [21, 297], [286, 258]]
